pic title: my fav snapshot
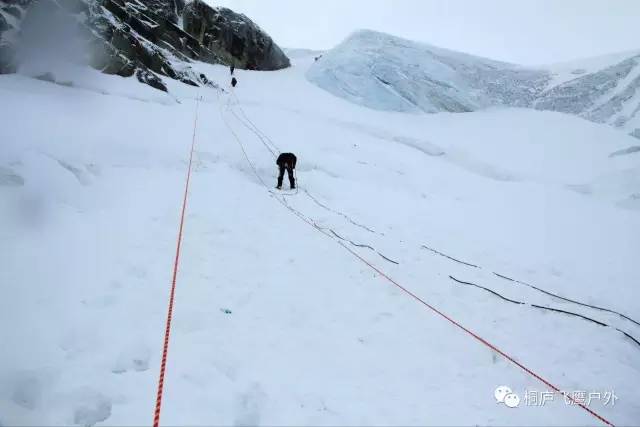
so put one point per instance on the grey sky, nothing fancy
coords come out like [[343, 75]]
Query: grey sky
[[521, 31]]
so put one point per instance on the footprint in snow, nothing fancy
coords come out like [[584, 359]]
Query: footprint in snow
[[137, 271], [134, 357], [26, 388], [382, 316], [90, 407], [103, 301], [8, 178], [248, 406]]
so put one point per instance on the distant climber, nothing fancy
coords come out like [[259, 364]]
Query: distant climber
[[286, 161], [233, 68], [234, 82]]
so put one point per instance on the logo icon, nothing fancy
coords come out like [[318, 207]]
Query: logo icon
[[501, 392], [504, 394], [512, 400]]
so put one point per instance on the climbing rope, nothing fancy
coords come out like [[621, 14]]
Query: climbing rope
[[469, 332], [248, 123], [255, 129], [167, 332]]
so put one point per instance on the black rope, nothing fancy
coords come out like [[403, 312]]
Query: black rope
[[595, 307], [283, 201], [570, 313], [273, 153], [360, 245], [451, 258], [256, 129], [486, 289], [628, 336], [556, 310], [364, 227]]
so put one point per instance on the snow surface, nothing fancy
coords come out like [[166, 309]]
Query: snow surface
[[275, 323]]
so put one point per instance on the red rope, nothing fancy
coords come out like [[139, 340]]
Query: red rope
[[435, 310], [167, 332], [417, 298], [479, 338]]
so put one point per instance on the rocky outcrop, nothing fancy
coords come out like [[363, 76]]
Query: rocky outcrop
[[146, 41], [610, 95], [233, 36], [141, 38], [169, 10]]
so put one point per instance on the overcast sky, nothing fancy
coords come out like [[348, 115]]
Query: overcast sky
[[521, 31]]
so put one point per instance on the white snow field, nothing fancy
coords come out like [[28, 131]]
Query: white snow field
[[274, 322]]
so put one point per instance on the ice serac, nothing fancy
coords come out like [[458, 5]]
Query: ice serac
[[141, 38], [233, 36], [390, 73], [385, 72]]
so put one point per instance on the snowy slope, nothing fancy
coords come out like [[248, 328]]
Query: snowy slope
[[389, 73], [274, 322], [608, 91]]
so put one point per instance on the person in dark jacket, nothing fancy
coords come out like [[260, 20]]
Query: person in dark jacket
[[234, 82], [286, 161], [233, 68]]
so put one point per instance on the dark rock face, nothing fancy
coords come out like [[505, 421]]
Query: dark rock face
[[10, 14], [144, 43], [7, 64], [132, 37], [233, 36], [169, 10], [4, 26]]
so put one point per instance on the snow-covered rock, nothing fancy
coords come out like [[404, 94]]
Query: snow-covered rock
[[144, 38]]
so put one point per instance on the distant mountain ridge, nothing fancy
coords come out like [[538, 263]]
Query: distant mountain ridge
[[390, 73]]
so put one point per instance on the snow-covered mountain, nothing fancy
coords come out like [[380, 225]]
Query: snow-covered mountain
[[520, 225], [390, 73], [603, 90]]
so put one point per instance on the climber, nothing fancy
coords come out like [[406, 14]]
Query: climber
[[286, 161], [234, 82], [233, 68]]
